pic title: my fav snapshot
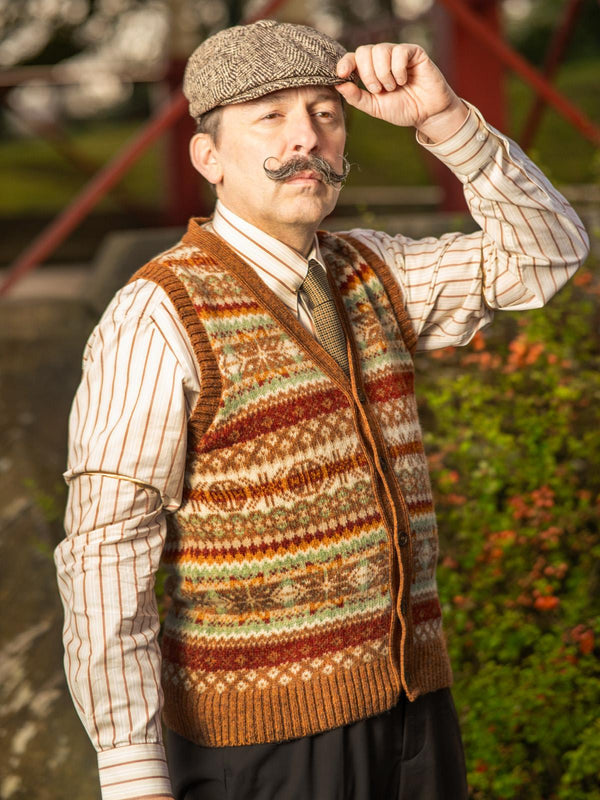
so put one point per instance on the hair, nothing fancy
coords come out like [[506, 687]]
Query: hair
[[210, 123]]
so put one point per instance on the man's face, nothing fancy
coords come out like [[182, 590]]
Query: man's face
[[276, 128]]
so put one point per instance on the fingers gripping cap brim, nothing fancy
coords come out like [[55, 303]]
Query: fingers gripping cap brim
[[249, 61]]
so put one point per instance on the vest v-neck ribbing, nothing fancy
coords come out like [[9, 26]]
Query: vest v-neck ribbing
[[220, 250]]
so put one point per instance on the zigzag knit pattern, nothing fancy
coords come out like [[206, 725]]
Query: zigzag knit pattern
[[304, 552]]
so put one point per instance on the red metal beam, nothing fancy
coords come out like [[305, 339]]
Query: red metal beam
[[58, 230], [554, 55], [65, 74], [474, 73], [517, 63], [182, 181]]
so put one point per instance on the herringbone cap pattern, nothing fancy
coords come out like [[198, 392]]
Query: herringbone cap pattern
[[325, 317], [248, 61]]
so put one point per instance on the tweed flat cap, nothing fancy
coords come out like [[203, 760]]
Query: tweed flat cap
[[249, 61]]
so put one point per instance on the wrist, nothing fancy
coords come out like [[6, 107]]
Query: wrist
[[441, 126]]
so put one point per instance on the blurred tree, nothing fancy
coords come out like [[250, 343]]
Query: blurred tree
[[106, 42], [530, 25], [110, 42]]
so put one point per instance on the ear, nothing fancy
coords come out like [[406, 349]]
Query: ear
[[204, 157]]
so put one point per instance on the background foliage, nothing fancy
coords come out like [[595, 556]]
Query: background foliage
[[513, 434]]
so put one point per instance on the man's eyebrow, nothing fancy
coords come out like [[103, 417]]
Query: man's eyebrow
[[275, 97]]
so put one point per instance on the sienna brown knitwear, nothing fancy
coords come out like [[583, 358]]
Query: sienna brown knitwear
[[249, 61], [303, 554]]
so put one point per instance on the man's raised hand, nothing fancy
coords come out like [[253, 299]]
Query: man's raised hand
[[404, 87]]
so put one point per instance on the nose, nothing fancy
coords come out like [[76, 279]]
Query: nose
[[303, 136]]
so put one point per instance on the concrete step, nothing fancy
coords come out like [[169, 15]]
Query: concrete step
[[49, 283]]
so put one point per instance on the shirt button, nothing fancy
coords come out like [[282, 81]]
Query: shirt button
[[481, 137], [403, 539]]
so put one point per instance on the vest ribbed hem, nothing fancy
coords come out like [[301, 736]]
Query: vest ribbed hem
[[430, 669], [302, 708]]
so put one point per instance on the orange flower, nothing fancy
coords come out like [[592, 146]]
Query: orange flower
[[586, 642], [483, 360], [435, 460], [478, 341], [547, 603], [443, 353], [524, 599], [450, 562], [535, 351], [543, 497], [519, 506], [503, 536], [583, 279], [455, 499], [523, 353]]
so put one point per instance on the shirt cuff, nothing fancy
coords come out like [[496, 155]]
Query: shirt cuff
[[135, 770], [468, 150]]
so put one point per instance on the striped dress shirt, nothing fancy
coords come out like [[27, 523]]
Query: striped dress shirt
[[140, 382]]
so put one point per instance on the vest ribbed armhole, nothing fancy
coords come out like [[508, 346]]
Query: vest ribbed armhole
[[210, 378], [392, 289]]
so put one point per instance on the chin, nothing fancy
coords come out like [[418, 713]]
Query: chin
[[309, 209]]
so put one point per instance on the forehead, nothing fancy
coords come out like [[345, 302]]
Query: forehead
[[307, 95]]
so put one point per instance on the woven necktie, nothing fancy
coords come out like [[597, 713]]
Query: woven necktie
[[325, 317]]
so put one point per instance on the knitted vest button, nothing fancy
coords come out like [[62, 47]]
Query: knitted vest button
[[402, 539]]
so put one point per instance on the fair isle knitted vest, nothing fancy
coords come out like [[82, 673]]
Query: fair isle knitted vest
[[303, 555]]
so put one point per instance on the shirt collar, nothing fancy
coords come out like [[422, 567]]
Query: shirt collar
[[279, 266]]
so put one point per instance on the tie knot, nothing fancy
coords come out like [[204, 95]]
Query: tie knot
[[327, 323], [316, 284]]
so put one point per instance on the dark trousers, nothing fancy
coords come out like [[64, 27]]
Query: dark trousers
[[413, 752]]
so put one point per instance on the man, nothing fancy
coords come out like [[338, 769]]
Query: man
[[247, 411]]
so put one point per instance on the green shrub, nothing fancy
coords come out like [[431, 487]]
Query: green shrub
[[513, 436]]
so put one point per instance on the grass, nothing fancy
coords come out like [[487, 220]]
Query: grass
[[564, 155], [36, 180]]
